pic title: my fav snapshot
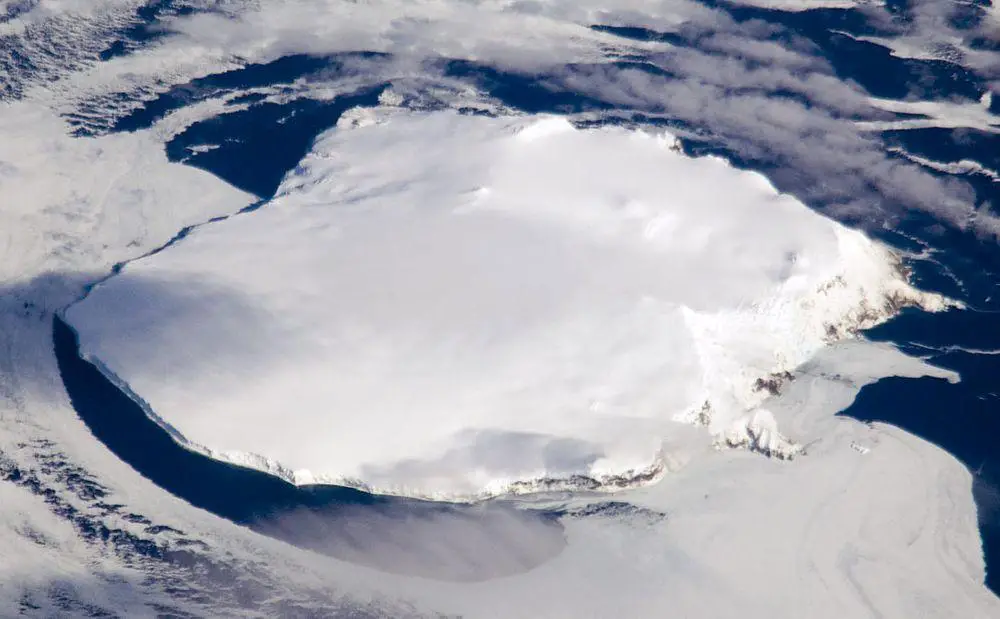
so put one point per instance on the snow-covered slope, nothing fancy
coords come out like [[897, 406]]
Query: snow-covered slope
[[838, 533], [458, 306]]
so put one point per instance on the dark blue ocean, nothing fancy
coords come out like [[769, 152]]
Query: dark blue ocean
[[259, 144]]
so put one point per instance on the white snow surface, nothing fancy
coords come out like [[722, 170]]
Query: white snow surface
[[456, 307]]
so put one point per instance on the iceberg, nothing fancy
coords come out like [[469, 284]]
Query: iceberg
[[457, 307]]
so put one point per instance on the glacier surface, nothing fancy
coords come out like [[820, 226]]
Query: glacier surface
[[452, 306]]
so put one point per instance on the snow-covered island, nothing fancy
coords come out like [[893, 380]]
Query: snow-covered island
[[457, 307]]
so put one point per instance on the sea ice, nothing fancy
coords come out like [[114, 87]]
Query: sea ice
[[457, 306]]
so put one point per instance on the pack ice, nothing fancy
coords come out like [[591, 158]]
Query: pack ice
[[456, 306]]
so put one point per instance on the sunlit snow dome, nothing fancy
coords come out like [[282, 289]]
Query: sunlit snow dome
[[457, 306], [499, 309]]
